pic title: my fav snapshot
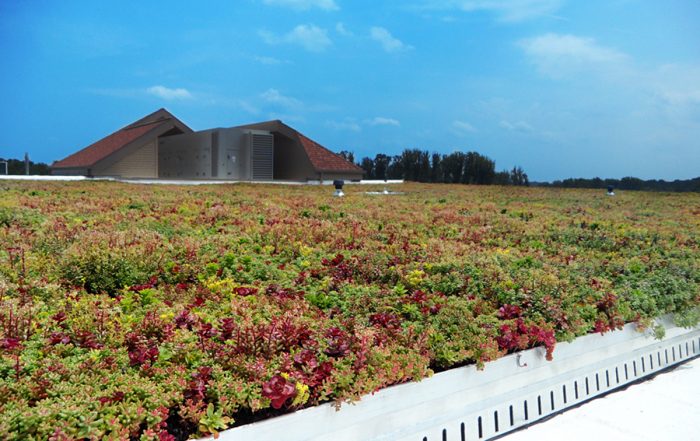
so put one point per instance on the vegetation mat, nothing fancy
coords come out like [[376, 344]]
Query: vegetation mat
[[162, 312]]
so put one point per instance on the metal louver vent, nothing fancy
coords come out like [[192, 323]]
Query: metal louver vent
[[262, 151]]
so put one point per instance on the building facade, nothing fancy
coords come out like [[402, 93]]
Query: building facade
[[161, 146]]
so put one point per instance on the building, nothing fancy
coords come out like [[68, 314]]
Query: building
[[161, 146]]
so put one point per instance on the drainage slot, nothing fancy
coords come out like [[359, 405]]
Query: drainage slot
[[634, 367], [463, 432], [481, 433], [607, 378], [551, 400], [597, 382], [666, 353], [644, 369], [539, 404], [651, 362], [510, 412], [673, 352], [425, 438], [576, 390], [495, 421], [444, 434], [525, 409], [617, 375], [658, 358], [627, 377], [588, 392], [563, 392], [687, 349]]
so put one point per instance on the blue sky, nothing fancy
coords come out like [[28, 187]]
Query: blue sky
[[561, 88]]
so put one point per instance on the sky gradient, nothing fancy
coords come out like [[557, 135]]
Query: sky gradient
[[561, 88]]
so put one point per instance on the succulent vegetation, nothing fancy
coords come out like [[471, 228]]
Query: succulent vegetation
[[164, 312]]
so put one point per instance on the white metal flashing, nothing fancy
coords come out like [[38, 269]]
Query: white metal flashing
[[466, 404]]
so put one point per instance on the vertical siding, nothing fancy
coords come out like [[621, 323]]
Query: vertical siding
[[141, 163]]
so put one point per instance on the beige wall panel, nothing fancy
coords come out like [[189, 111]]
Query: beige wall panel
[[141, 163]]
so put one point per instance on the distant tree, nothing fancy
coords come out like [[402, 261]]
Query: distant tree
[[453, 167], [348, 156], [518, 177], [502, 178], [457, 167], [436, 174], [381, 166], [628, 183], [478, 169], [412, 165], [368, 166]]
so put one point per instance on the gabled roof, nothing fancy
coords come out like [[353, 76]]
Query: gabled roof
[[322, 159], [99, 150]]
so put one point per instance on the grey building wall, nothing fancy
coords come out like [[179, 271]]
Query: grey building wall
[[212, 154], [186, 156]]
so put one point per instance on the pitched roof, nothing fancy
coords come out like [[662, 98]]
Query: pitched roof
[[117, 140], [322, 159]]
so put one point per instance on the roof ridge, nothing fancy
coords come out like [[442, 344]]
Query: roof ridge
[[135, 125]]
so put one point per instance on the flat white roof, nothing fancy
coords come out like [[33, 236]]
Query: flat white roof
[[666, 407]]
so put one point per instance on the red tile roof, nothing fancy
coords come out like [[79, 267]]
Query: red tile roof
[[323, 159], [99, 150], [106, 146]]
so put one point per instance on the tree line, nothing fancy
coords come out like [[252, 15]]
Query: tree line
[[454, 168], [628, 183], [16, 167]]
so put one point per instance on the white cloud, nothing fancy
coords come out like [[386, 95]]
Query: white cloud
[[463, 127], [388, 41], [270, 61], [513, 10], [273, 96], [167, 93], [310, 37], [303, 5], [342, 30], [347, 124], [383, 121], [677, 84], [506, 10], [557, 55], [517, 126]]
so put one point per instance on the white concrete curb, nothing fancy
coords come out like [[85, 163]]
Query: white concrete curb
[[466, 404]]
